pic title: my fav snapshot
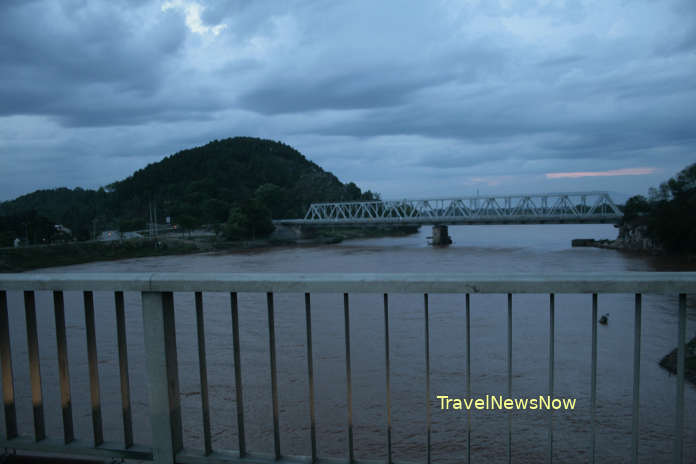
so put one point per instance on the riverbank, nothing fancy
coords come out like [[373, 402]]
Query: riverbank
[[669, 362], [40, 256], [622, 245], [632, 236], [35, 257], [617, 244]]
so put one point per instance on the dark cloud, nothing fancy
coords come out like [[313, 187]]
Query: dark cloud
[[68, 59], [355, 91], [562, 60], [374, 91]]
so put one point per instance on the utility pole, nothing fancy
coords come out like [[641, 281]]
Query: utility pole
[[153, 220], [152, 224]]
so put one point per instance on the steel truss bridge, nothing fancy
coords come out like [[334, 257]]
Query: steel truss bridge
[[545, 208]]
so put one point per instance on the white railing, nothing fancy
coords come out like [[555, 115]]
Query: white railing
[[162, 368]]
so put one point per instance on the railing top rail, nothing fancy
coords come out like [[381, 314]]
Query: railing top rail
[[572, 282]]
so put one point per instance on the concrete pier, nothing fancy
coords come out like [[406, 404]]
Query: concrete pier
[[441, 236]]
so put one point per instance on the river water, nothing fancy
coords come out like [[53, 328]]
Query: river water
[[543, 248]]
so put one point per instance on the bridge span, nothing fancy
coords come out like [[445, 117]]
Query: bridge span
[[543, 208]]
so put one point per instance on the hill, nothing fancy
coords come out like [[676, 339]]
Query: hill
[[240, 180]]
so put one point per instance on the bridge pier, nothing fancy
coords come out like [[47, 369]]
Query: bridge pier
[[440, 236]]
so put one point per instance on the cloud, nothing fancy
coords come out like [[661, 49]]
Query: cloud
[[193, 12], [611, 173], [396, 98]]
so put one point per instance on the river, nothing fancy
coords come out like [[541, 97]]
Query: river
[[531, 248]]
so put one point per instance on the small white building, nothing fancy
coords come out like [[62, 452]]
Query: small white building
[[62, 229], [111, 235]]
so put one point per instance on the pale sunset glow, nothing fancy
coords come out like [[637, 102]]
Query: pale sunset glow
[[610, 173]]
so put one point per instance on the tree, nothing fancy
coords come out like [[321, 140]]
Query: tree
[[237, 224], [215, 211], [187, 223], [131, 224], [260, 221], [669, 211], [353, 193], [29, 225], [249, 220], [636, 206], [272, 197]]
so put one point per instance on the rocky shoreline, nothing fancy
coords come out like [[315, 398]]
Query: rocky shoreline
[[669, 362], [632, 236]]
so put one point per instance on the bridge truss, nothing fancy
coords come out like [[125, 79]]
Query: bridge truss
[[558, 208]]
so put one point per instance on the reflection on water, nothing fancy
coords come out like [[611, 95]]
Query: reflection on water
[[476, 249]]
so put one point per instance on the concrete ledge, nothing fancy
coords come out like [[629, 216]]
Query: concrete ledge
[[77, 448]]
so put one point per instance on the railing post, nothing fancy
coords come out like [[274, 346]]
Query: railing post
[[636, 378], [468, 377], [681, 367], [8, 395], [203, 374], [162, 375], [349, 382], [428, 429], [63, 369], [123, 369], [238, 374], [310, 380], [509, 369], [593, 383], [93, 369], [552, 360], [34, 365]]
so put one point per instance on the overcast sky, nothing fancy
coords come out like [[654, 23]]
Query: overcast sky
[[409, 99]]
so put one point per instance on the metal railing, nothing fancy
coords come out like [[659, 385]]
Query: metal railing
[[162, 368]]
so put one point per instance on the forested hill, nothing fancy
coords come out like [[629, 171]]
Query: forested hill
[[197, 186]]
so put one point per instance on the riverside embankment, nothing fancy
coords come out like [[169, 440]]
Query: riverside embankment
[[634, 237], [41, 256]]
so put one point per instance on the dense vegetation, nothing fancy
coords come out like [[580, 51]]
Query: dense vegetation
[[669, 212], [29, 225], [237, 184]]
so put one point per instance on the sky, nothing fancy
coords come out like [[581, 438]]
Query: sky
[[409, 99]]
